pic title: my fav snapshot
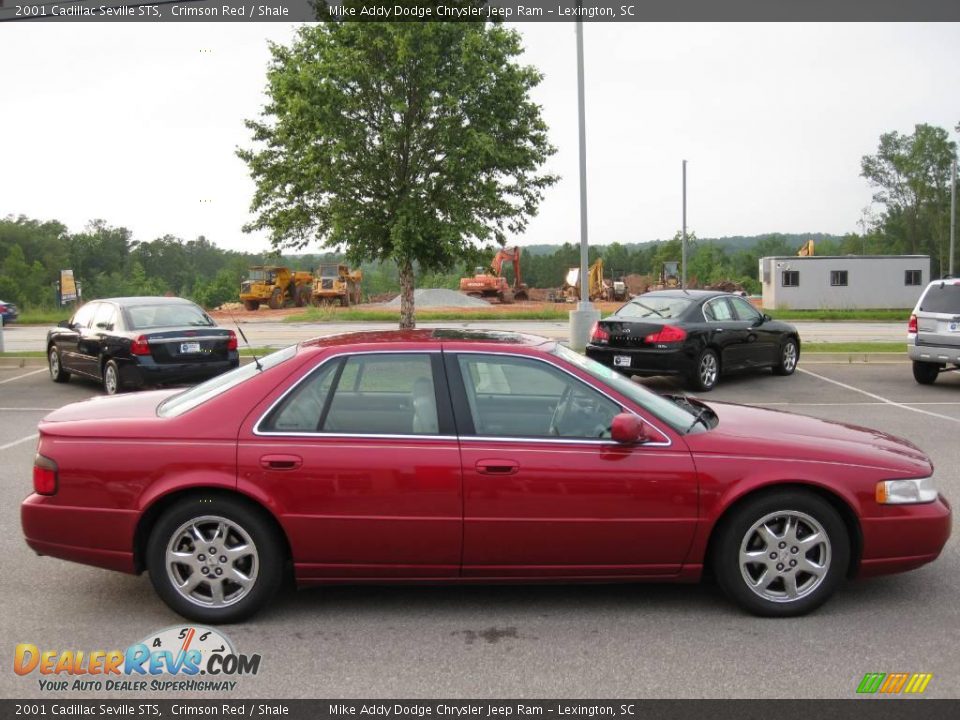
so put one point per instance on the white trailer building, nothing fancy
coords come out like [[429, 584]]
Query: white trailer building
[[843, 282]]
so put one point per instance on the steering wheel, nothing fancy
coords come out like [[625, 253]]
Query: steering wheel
[[560, 411]]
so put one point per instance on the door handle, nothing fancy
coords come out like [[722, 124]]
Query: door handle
[[497, 467], [281, 462]]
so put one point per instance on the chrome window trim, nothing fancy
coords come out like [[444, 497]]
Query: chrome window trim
[[703, 310], [599, 441]]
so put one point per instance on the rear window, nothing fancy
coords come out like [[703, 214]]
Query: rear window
[[144, 317], [942, 298], [655, 308]]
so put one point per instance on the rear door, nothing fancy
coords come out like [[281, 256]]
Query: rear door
[[86, 357], [547, 493], [363, 463]]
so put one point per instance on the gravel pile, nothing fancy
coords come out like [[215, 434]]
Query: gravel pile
[[440, 297]]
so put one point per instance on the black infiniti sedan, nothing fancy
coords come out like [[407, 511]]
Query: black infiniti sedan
[[128, 343], [697, 334]]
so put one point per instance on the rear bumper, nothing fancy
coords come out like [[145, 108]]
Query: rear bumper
[[92, 536], [905, 541], [151, 373], [940, 354], [672, 361]]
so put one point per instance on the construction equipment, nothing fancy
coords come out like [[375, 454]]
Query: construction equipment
[[489, 282], [275, 285], [597, 286], [806, 250], [336, 282]]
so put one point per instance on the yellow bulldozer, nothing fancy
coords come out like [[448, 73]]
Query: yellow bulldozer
[[277, 286], [599, 287], [334, 282]]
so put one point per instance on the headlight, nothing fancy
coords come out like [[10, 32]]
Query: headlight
[[906, 492]]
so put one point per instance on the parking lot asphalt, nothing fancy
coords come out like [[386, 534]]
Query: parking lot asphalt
[[563, 641]]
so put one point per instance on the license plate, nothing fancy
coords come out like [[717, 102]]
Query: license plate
[[190, 347], [621, 360]]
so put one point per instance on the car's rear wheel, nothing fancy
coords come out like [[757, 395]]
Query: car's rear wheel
[[789, 354], [111, 378], [925, 373], [57, 373], [214, 559], [706, 371], [251, 305], [781, 554]]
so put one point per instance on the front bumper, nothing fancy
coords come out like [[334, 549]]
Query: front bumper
[[647, 361], [905, 538]]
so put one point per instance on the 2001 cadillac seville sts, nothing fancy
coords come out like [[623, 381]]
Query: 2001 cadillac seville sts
[[455, 456]]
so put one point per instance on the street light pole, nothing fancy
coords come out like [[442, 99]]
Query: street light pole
[[953, 209], [683, 247]]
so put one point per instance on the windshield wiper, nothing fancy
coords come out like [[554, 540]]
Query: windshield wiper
[[699, 418], [653, 310]]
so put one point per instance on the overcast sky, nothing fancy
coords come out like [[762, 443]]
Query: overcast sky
[[137, 123]]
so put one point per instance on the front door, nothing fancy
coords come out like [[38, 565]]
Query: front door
[[547, 493], [364, 465]]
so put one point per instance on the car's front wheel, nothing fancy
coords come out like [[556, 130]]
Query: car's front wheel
[[781, 554], [214, 559], [925, 373], [789, 354], [57, 373], [706, 372]]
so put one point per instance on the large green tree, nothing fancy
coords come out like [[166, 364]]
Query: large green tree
[[404, 142], [912, 175]]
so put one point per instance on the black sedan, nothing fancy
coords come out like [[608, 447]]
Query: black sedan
[[133, 342], [697, 334]]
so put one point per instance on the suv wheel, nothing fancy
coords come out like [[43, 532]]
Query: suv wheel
[[925, 373]]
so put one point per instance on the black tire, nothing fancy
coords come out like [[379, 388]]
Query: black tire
[[788, 358], [811, 590], [251, 305], [266, 567], [276, 299], [702, 378], [345, 300], [925, 373], [57, 373], [111, 378]]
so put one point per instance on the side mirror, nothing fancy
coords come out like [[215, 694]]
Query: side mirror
[[628, 429], [767, 318], [64, 324]]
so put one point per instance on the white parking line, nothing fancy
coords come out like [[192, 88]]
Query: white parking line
[[21, 441], [26, 409], [19, 377], [829, 404], [882, 399]]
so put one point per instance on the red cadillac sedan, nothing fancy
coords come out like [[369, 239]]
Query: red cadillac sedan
[[454, 456]]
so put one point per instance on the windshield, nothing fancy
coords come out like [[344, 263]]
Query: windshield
[[676, 416], [167, 315], [329, 271], [199, 394], [656, 308], [260, 275]]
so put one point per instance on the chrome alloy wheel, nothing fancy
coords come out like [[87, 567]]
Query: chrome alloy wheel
[[111, 382], [708, 370], [785, 556], [212, 561], [54, 364], [789, 359]]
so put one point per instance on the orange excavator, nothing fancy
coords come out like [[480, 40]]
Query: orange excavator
[[490, 284]]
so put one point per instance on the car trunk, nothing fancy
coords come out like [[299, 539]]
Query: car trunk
[[188, 345], [631, 334]]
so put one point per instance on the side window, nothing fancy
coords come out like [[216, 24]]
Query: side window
[[744, 310], [717, 310], [85, 314], [384, 394], [518, 397], [105, 317], [301, 410]]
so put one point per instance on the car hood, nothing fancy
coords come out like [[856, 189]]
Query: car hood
[[116, 407], [760, 432]]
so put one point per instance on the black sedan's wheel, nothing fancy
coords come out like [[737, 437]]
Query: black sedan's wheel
[[925, 373], [789, 354], [706, 372], [214, 559], [111, 378], [782, 554], [57, 373]]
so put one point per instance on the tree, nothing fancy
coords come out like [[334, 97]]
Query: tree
[[912, 174], [408, 142]]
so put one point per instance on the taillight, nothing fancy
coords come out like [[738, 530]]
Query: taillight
[[232, 341], [667, 334], [912, 325], [3, 308], [44, 476], [140, 346], [599, 334]]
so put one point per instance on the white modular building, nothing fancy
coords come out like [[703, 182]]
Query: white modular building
[[843, 282]]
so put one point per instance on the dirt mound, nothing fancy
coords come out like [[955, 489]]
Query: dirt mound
[[440, 297]]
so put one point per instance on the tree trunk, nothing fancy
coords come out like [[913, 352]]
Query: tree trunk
[[407, 320]]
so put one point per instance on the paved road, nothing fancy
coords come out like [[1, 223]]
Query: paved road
[[640, 641], [20, 338]]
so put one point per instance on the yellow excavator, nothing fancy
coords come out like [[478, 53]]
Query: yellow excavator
[[806, 250], [598, 287]]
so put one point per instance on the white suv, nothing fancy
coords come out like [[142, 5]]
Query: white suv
[[933, 339]]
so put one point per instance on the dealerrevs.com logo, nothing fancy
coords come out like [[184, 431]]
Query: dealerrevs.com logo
[[894, 683], [189, 659]]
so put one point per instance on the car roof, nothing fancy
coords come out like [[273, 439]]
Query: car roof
[[427, 337], [145, 300]]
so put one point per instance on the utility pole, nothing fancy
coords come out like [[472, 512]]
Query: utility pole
[[683, 246], [583, 318], [953, 209]]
